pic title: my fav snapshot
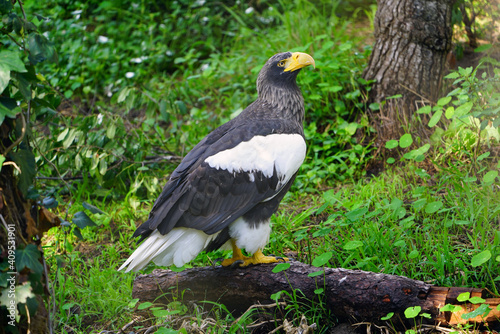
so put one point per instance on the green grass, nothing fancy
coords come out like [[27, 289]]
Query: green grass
[[424, 218]]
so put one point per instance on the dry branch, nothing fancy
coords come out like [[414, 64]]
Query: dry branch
[[353, 295]]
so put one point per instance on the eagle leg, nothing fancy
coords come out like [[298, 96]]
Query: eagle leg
[[258, 257]]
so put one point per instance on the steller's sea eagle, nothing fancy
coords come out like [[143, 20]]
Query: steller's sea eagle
[[224, 191]]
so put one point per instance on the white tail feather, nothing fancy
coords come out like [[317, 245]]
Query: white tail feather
[[178, 247]]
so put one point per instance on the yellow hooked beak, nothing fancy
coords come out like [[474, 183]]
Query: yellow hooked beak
[[297, 61]]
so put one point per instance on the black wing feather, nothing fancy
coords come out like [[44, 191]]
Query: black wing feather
[[198, 196]]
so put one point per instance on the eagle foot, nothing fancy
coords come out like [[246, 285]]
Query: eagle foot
[[241, 261]]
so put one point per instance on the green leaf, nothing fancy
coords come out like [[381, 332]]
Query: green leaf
[[452, 75], [413, 254], [490, 177], [81, 220], [424, 110], [11, 61], [483, 156], [351, 245], [91, 208], [480, 258], [450, 308], [4, 77], [412, 312], [316, 273], [164, 330], [482, 310], [2, 159], [450, 111], [476, 300], [391, 144], [463, 297], [144, 305], [391, 160], [433, 207], [29, 258], [444, 101], [63, 134], [281, 267], [388, 316], [405, 140], [25, 160], [8, 109], [463, 109], [132, 303], [483, 48], [70, 138], [356, 213], [321, 260], [435, 118], [319, 291], [5, 7], [111, 131], [40, 49]]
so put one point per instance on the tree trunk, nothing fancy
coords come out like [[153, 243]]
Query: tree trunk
[[351, 295], [413, 39]]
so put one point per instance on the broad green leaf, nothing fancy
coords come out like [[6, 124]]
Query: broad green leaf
[[483, 156], [450, 111], [321, 260], [433, 206], [356, 213], [164, 330], [103, 166], [463, 297], [483, 48], [450, 308], [164, 313], [8, 111], [91, 208], [132, 303], [413, 254], [70, 138], [391, 144], [63, 134], [29, 258], [444, 101], [78, 161], [424, 110], [405, 140], [316, 273], [480, 258], [111, 130], [435, 118], [391, 160], [463, 109], [2, 159], [144, 305], [4, 77], [5, 7], [319, 291], [490, 177], [483, 310], [40, 49], [476, 300], [11, 61], [81, 220], [412, 312], [351, 245], [452, 75], [281, 267]]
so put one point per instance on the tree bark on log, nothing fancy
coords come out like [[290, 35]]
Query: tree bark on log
[[351, 295], [412, 41]]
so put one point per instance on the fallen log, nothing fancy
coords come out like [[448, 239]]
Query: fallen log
[[352, 295]]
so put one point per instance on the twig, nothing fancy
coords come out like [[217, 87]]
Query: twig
[[12, 163]]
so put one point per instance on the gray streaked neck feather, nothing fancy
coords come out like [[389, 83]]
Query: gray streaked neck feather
[[285, 98]]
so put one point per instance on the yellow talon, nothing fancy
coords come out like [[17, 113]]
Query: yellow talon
[[257, 258]]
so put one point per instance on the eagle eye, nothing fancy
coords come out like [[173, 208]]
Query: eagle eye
[[281, 63]]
